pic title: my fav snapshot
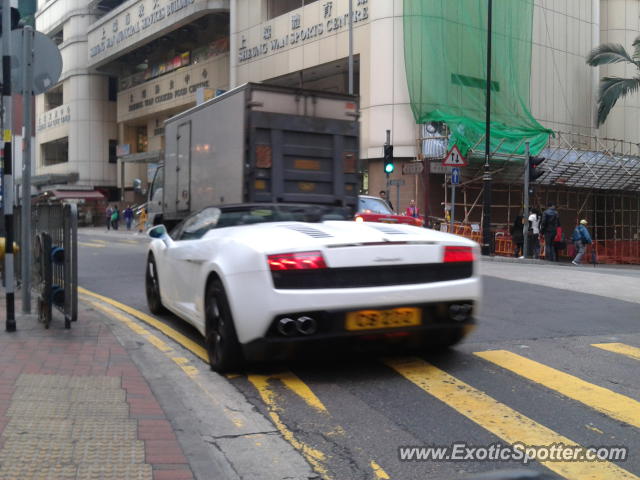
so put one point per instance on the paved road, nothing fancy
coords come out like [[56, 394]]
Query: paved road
[[554, 360]]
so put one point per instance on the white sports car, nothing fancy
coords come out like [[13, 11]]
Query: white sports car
[[257, 280]]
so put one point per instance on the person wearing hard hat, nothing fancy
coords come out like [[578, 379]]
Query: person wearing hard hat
[[581, 239]]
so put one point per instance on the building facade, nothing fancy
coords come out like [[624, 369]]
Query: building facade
[[130, 65]]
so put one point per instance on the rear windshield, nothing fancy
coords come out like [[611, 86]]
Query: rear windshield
[[198, 224], [373, 205]]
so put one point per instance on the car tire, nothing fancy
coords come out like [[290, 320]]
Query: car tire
[[221, 340], [152, 287]]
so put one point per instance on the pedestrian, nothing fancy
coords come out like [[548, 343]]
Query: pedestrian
[[517, 236], [128, 216], [115, 216], [549, 229], [534, 234], [412, 210], [142, 220], [383, 196], [580, 238], [108, 211]]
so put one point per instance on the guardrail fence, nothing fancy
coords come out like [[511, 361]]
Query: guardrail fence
[[54, 273]]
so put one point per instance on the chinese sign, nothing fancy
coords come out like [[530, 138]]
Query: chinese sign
[[54, 118], [332, 23]]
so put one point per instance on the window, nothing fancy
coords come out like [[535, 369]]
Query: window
[[58, 37], [197, 225], [53, 98], [275, 8], [113, 147], [142, 141], [55, 152], [113, 89], [373, 205]]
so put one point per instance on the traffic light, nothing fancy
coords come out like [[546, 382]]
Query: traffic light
[[534, 171], [388, 159], [15, 18]]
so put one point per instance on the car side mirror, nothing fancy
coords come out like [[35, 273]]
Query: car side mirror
[[160, 232]]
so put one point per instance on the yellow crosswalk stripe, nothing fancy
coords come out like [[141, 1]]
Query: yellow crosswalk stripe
[[501, 420], [621, 348], [601, 399]]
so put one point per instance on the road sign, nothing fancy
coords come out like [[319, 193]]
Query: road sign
[[47, 62], [455, 176], [412, 168], [454, 158], [396, 182], [438, 168]]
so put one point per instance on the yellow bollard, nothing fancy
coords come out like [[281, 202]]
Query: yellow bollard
[[16, 249]]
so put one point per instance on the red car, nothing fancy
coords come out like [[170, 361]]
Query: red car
[[375, 209]]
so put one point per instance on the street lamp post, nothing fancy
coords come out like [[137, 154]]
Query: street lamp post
[[486, 178]]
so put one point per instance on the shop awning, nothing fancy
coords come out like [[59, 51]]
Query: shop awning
[[74, 194]]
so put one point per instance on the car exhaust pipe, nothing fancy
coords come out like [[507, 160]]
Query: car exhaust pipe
[[306, 325], [460, 313], [287, 326]]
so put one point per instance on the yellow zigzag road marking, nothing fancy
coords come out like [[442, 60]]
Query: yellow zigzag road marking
[[379, 472], [497, 418], [260, 382], [236, 418], [167, 330], [94, 245], [621, 348], [601, 399], [314, 457], [183, 363]]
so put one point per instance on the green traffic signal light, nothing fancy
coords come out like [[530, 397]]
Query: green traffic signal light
[[388, 159]]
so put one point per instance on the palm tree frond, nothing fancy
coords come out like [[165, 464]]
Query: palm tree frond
[[608, 53], [636, 49], [611, 90]]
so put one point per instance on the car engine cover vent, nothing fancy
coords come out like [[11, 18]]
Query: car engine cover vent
[[312, 232], [387, 230]]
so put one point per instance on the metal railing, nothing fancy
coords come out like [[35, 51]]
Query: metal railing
[[54, 272]]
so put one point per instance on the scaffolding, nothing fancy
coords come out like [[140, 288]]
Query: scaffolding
[[586, 177]]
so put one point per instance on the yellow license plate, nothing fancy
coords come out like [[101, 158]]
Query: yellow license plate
[[376, 319]]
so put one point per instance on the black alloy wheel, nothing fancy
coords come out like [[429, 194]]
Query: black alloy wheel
[[152, 287], [220, 334]]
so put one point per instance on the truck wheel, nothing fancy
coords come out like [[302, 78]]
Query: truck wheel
[[220, 334], [152, 287]]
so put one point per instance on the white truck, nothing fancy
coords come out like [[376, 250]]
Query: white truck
[[259, 143]]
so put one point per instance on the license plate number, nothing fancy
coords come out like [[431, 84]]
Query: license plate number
[[376, 319]]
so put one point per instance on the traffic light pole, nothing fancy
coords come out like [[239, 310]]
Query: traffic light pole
[[27, 76], [486, 177], [7, 193], [525, 226], [388, 186]]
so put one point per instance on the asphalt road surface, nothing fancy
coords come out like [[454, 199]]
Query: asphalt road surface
[[554, 361]]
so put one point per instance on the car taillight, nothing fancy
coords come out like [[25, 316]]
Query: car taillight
[[458, 254], [296, 261]]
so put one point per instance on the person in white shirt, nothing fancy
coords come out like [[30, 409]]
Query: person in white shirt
[[534, 234]]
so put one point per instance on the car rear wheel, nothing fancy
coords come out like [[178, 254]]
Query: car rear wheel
[[152, 287], [220, 334]]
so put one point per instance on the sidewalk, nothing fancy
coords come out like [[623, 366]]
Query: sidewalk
[[73, 405]]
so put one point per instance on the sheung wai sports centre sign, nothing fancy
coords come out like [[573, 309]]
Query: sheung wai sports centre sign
[[299, 33]]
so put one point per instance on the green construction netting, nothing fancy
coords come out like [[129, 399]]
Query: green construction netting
[[445, 45]]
